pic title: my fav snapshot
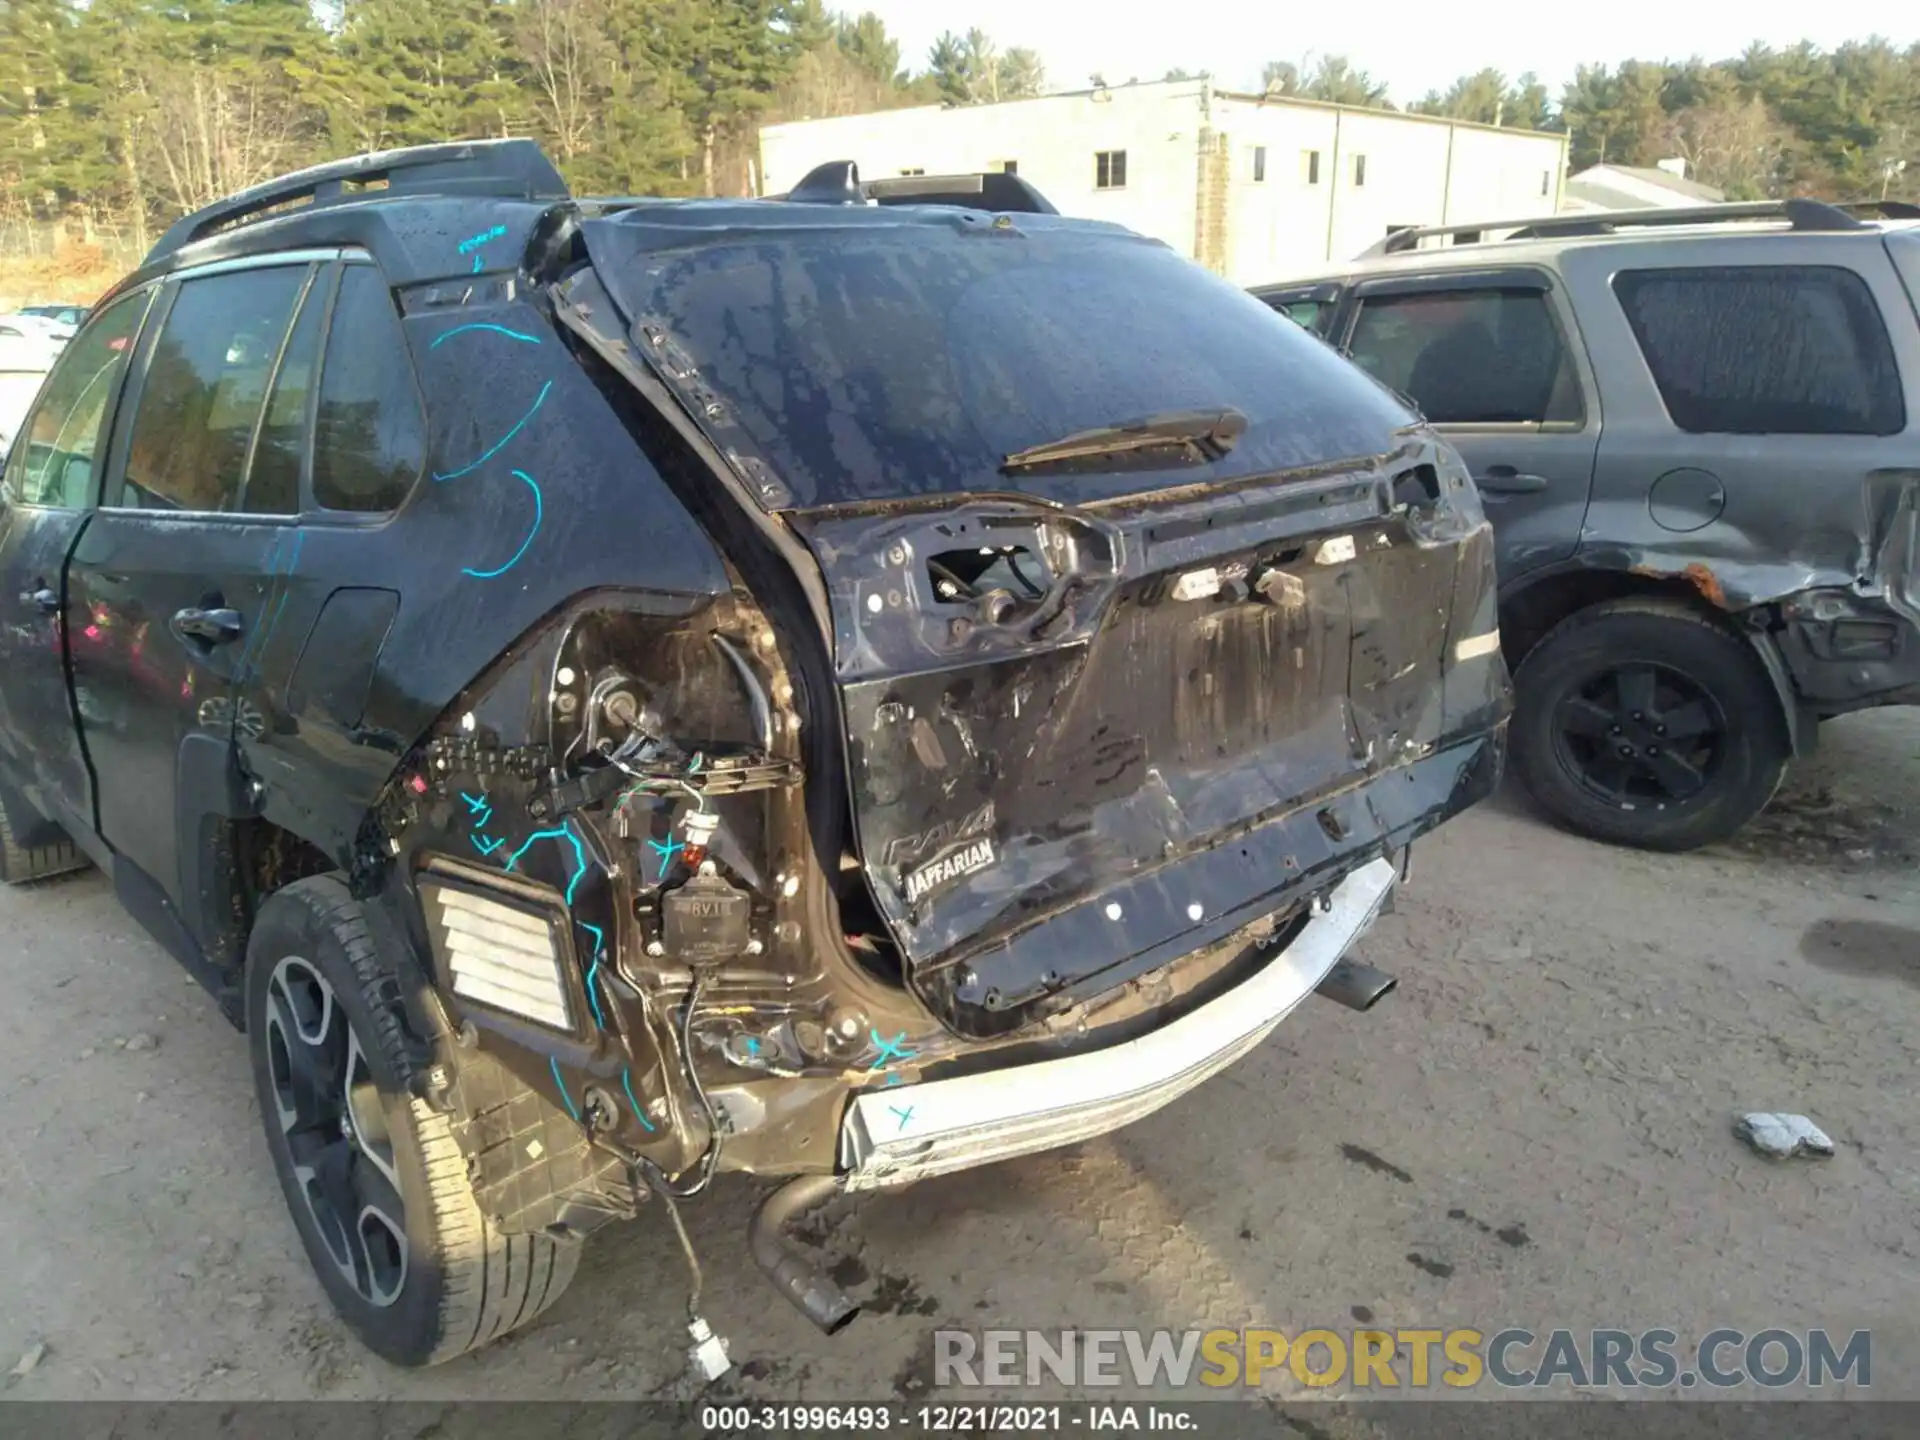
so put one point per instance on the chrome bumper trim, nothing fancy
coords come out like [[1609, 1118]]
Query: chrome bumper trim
[[908, 1132]]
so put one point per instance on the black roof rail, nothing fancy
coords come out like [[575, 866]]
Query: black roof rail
[[501, 169], [1810, 215], [838, 182]]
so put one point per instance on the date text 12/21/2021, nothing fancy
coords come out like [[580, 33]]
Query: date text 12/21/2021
[[943, 1419]]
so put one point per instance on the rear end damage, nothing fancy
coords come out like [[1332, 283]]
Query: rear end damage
[[977, 820]]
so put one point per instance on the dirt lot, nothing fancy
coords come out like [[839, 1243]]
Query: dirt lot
[[1534, 1131]]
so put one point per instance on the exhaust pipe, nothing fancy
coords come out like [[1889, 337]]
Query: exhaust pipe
[[802, 1282], [1355, 985]]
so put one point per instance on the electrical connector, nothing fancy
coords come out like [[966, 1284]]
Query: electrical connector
[[709, 1351]]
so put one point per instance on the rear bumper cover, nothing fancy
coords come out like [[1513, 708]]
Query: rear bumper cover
[[900, 1134]]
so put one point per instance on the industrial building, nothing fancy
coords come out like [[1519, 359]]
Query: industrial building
[[1255, 187]]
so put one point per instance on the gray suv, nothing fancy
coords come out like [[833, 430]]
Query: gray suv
[[1697, 433]]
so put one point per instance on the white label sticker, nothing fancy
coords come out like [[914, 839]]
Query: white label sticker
[[1336, 551], [967, 860]]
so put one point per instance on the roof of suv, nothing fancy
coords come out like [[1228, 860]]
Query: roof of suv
[[434, 212], [1524, 240]]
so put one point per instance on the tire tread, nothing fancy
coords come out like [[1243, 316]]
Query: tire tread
[[22, 865], [1768, 732], [488, 1284]]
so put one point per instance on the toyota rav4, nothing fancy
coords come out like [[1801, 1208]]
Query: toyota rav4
[[844, 687]]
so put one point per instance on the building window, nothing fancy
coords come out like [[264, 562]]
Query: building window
[[1006, 167], [917, 170], [1110, 170], [1466, 237], [1310, 166], [1546, 182], [1259, 164], [1359, 170]]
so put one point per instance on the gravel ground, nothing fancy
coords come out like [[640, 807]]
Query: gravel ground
[[1534, 1131]]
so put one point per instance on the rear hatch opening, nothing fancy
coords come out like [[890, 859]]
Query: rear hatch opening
[[1127, 578]]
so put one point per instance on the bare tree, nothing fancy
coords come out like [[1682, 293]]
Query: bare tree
[[570, 54], [1732, 144], [213, 132]]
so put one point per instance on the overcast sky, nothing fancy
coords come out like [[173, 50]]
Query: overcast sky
[[1413, 45]]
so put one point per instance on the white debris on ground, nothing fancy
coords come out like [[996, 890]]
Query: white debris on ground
[[1783, 1136]]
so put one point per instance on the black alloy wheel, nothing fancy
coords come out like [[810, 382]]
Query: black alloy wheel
[[1648, 723]]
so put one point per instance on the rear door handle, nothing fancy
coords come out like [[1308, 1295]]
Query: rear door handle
[[213, 627], [46, 599], [1505, 480]]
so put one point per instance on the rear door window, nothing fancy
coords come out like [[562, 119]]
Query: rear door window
[[370, 434], [205, 388], [1470, 356], [1765, 349], [273, 482], [56, 459]]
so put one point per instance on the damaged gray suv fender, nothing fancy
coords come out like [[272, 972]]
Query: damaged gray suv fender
[[832, 691], [1698, 435]]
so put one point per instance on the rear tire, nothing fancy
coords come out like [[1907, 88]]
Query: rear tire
[[351, 1145], [23, 864], [1646, 723]]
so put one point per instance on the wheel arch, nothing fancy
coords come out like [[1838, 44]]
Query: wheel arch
[[1534, 605]]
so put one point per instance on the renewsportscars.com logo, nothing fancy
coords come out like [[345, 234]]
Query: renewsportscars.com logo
[[1413, 1359]]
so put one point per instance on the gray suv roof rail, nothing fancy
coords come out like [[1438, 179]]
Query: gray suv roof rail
[[1799, 214], [494, 169], [838, 182]]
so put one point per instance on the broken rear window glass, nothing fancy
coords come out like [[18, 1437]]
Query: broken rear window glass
[[868, 360], [1765, 349]]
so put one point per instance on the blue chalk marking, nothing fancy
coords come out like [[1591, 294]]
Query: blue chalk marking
[[475, 804], [666, 851], [593, 971], [500, 444], [476, 271], [485, 844], [257, 642], [559, 832], [894, 1078], [272, 568], [480, 325], [905, 1115], [894, 1049], [273, 623], [753, 1045], [474, 242], [555, 1063], [539, 513], [626, 1084]]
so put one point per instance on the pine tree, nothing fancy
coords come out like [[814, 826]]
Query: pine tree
[[865, 41]]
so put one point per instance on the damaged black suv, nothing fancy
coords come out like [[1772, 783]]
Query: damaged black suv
[[1697, 433], [845, 687]]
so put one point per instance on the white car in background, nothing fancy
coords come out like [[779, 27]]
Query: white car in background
[[27, 352], [68, 317], [36, 320]]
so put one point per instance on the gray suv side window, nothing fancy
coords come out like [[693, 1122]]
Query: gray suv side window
[[1470, 357], [1765, 349]]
